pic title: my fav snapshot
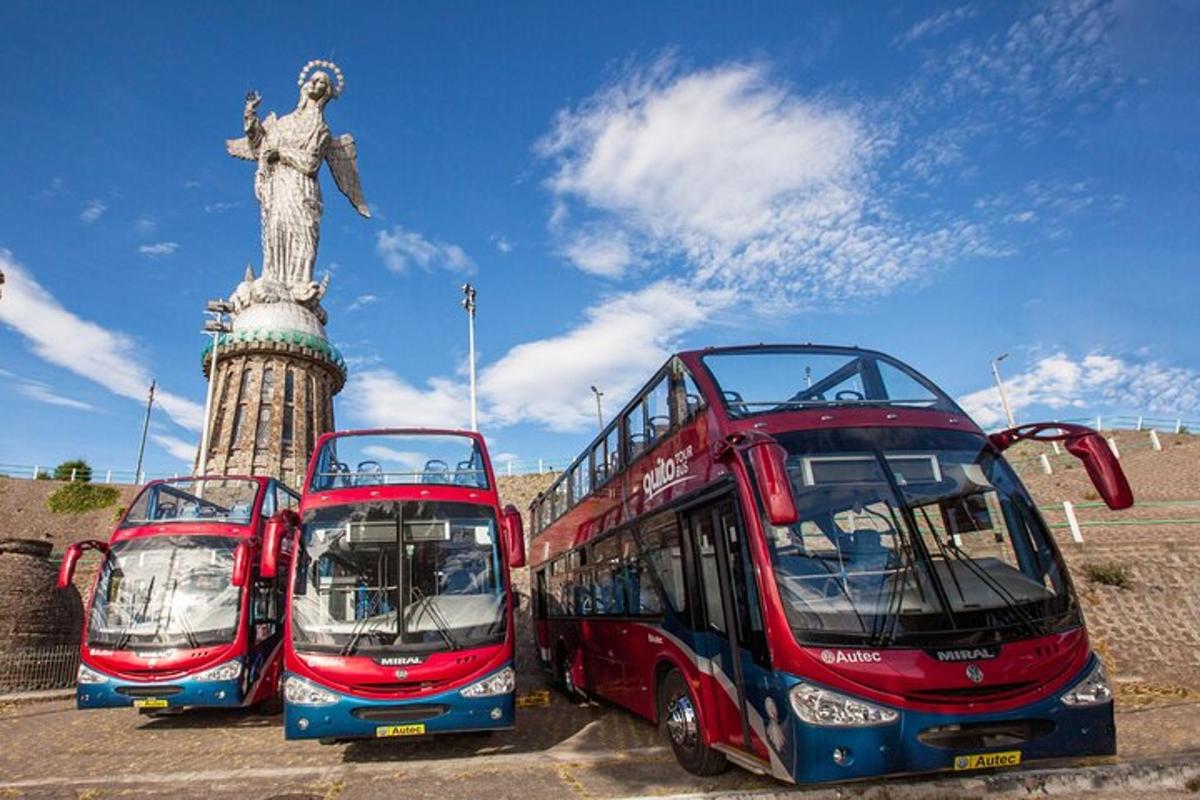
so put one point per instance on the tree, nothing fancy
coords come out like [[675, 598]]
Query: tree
[[82, 471]]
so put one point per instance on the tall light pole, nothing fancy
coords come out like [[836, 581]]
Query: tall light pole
[[599, 408], [137, 471], [215, 325], [468, 302], [1012, 423]]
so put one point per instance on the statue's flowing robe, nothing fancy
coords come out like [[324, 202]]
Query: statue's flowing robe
[[290, 153]]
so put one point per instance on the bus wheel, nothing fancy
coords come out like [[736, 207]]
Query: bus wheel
[[566, 676], [678, 715]]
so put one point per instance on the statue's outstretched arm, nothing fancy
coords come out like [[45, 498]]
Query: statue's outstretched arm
[[248, 144], [343, 163]]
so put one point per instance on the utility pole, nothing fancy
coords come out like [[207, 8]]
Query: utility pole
[[137, 472], [217, 324], [1012, 423], [468, 302], [599, 408]]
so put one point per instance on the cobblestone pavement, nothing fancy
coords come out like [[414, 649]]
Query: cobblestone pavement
[[588, 750]]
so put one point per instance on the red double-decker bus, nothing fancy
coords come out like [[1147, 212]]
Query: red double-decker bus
[[808, 561], [399, 611], [178, 614]]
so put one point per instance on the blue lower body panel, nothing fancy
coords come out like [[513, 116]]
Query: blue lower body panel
[[356, 717], [184, 693], [1058, 731]]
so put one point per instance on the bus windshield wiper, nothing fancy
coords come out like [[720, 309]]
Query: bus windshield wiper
[[436, 615], [127, 631], [360, 627]]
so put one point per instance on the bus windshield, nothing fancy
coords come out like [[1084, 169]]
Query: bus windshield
[[377, 459], [765, 380], [914, 537], [194, 500], [166, 591], [404, 576]]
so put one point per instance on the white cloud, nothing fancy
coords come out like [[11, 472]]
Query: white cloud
[[502, 243], [752, 187], [360, 301], [145, 225], [158, 249], [92, 212], [406, 458], [1097, 382], [379, 398], [931, 26], [184, 451], [219, 208], [55, 334], [401, 249], [36, 390]]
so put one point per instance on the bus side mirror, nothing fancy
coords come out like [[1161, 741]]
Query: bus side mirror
[[66, 570], [241, 564], [1085, 444], [768, 459], [276, 532], [514, 536]]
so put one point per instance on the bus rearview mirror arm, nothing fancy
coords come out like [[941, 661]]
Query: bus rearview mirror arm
[[274, 534], [768, 461], [513, 528], [1085, 444], [66, 570]]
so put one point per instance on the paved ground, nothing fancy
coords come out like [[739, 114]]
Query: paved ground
[[49, 749]]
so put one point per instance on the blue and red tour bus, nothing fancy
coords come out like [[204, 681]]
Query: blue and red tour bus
[[399, 612], [178, 615], [808, 561]]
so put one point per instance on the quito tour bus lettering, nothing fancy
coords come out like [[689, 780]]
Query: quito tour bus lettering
[[667, 472]]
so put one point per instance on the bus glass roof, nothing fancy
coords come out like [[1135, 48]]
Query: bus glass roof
[[399, 458]]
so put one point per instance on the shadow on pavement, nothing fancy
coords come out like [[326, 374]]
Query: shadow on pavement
[[212, 718]]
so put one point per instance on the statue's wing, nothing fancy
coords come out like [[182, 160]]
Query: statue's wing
[[342, 157], [239, 148]]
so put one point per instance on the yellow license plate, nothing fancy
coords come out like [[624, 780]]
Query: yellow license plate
[[1008, 758], [400, 730], [150, 702]]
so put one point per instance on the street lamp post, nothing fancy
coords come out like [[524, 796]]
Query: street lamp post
[[218, 323], [599, 408], [137, 471], [1012, 423], [468, 302]]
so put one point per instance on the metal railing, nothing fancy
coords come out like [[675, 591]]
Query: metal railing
[[38, 669]]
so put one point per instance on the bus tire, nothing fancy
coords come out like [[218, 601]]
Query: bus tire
[[680, 720], [562, 665]]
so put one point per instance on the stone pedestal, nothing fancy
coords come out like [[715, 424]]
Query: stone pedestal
[[275, 381]]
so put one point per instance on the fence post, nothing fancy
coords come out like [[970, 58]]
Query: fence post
[[72, 475], [1057, 449], [1112, 444], [1099, 423], [1178, 426], [37, 469], [108, 476], [1069, 510], [540, 468], [1154, 442], [1046, 464], [1139, 427], [510, 467]]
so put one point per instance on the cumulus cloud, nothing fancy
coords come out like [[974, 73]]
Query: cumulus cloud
[[401, 249], [92, 212], [57, 335], [751, 186], [156, 249], [36, 390], [380, 398], [184, 451], [1098, 381]]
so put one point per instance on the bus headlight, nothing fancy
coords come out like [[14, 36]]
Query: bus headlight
[[818, 706], [87, 675], [503, 682], [300, 692], [1093, 690], [228, 671]]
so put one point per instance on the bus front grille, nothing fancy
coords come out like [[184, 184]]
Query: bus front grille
[[996, 690], [149, 691], [398, 714], [980, 735]]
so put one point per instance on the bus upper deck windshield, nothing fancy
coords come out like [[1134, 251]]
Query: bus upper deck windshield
[[390, 459], [228, 500], [765, 380]]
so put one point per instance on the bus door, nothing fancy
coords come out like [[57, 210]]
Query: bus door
[[732, 632]]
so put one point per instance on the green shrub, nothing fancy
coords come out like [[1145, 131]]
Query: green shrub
[[1109, 573], [81, 469], [79, 498]]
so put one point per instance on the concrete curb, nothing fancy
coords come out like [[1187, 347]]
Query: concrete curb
[[22, 698]]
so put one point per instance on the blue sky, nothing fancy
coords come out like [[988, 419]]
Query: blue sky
[[945, 182]]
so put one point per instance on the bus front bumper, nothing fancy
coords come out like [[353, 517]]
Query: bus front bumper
[[350, 717], [151, 695], [920, 742]]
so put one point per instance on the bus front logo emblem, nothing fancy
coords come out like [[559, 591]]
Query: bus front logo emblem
[[974, 673], [401, 674]]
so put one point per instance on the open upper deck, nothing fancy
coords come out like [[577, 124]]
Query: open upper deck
[[736, 384], [400, 457]]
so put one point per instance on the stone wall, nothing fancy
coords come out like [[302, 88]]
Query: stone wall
[[33, 613]]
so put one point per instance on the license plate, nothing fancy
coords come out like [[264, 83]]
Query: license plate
[[150, 702], [1008, 758], [400, 730]]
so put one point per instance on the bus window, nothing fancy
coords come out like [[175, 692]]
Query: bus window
[[691, 401], [637, 430], [612, 452], [658, 411], [606, 560], [705, 537], [662, 555], [641, 596], [581, 485]]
